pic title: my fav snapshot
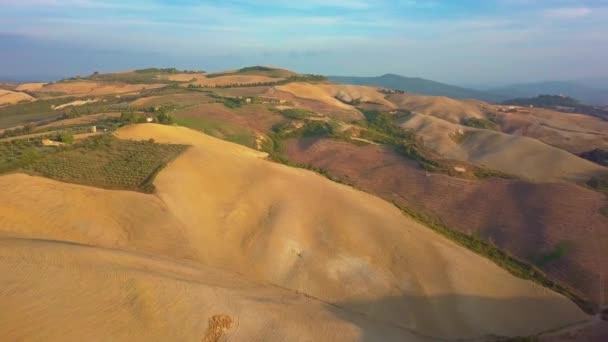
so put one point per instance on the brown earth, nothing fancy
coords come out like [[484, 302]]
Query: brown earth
[[87, 88], [441, 107], [78, 121], [529, 220], [8, 97], [221, 205], [340, 113], [336, 95], [177, 99], [57, 291], [255, 116], [575, 133], [30, 86], [233, 80], [516, 155]]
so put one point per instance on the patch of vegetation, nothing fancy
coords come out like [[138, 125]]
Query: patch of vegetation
[[598, 155], [219, 129], [599, 183], [559, 251], [26, 112], [255, 68], [483, 173], [480, 123], [275, 148], [107, 162], [604, 211], [297, 114], [306, 78], [232, 102], [501, 258], [157, 71], [16, 154], [382, 129], [65, 138], [560, 103]]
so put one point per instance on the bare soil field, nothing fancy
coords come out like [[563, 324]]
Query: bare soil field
[[531, 221], [575, 133], [86, 88], [516, 155], [233, 80], [340, 113], [441, 107], [8, 97], [184, 77], [336, 95], [30, 86], [110, 295], [256, 116], [296, 240], [177, 99], [85, 119]]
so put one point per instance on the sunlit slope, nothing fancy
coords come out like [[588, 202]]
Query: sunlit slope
[[54, 291], [8, 97], [520, 156], [221, 205], [294, 228], [441, 107], [340, 96]]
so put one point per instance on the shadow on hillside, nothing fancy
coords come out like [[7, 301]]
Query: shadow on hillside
[[456, 317]]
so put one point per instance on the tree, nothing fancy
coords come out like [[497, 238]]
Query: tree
[[66, 138]]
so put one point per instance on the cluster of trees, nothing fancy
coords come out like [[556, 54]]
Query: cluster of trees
[[480, 123], [28, 128], [597, 155], [160, 115], [558, 102], [302, 78]]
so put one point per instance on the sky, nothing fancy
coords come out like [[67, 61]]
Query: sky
[[456, 41]]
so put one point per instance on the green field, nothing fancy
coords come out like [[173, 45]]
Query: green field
[[219, 129], [102, 161], [107, 162]]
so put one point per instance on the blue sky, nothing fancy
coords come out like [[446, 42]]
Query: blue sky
[[458, 41]]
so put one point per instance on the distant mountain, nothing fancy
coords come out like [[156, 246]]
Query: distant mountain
[[419, 86], [560, 103], [597, 83], [574, 89]]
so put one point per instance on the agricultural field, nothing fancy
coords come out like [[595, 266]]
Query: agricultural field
[[102, 161], [537, 223], [218, 129], [107, 162]]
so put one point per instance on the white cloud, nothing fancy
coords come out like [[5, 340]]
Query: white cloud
[[567, 12]]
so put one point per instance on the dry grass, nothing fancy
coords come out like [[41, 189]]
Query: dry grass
[[30, 86], [340, 96], [525, 219], [233, 80], [8, 97], [87, 88], [520, 156], [450, 110]]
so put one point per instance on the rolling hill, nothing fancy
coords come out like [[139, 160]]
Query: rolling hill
[[417, 85], [225, 217]]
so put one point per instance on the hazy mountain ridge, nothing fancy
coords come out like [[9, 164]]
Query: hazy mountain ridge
[[580, 90], [419, 86]]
